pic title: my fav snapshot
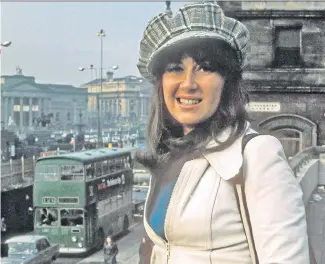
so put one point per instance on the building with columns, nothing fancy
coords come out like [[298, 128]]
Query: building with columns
[[122, 100], [23, 101]]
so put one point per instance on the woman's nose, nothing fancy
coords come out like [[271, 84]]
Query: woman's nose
[[188, 81]]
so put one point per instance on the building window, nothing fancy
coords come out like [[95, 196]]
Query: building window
[[287, 46], [291, 140], [68, 116]]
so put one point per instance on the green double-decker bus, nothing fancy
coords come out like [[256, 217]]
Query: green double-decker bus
[[81, 197]]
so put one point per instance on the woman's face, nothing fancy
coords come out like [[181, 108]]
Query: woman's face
[[191, 92]]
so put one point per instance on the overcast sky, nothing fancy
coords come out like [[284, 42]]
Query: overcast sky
[[51, 40]]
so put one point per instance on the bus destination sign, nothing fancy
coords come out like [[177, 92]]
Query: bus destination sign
[[48, 200]]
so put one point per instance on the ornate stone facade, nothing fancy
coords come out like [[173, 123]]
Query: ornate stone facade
[[122, 100], [285, 68], [24, 102]]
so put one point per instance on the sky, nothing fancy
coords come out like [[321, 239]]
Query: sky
[[51, 40]]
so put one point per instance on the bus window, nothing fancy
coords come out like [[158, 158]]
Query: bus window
[[72, 173], [105, 167], [90, 171], [50, 173], [46, 216], [71, 217], [126, 162], [118, 164], [46, 173], [98, 171]]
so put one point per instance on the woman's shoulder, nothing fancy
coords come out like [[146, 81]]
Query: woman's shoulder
[[228, 161]]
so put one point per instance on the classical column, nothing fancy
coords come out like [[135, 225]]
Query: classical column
[[30, 117], [147, 107], [43, 106], [127, 107], [12, 103], [116, 106], [111, 106], [21, 113], [50, 105], [74, 112], [142, 107], [40, 106]]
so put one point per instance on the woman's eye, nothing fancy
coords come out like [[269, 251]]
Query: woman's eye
[[173, 68], [205, 68]]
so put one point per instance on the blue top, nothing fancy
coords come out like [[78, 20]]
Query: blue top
[[158, 215]]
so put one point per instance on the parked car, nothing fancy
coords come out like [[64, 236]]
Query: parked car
[[30, 249]]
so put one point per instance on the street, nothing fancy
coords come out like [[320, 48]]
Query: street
[[128, 249]]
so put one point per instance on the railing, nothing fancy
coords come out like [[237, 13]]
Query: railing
[[17, 172], [301, 159]]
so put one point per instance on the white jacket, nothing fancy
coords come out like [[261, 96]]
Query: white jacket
[[203, 223]]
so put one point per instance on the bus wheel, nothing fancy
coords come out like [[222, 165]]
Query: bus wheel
[[100, 239], [125, 225]]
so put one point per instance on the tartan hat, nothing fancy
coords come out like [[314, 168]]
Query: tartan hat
[[195, 21]]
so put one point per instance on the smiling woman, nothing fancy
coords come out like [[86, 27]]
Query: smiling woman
[[201, 177], [193, 82]]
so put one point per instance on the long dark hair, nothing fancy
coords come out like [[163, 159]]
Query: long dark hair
[[164, 134]]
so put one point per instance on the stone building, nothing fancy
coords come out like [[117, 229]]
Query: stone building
[[285, 69], [23, 102], [123, 100]]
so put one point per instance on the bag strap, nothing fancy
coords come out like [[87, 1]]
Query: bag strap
[[239, 184]]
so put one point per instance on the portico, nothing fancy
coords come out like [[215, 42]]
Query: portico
[[23, 101]]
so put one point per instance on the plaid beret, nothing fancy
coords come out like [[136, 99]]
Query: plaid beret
[[193, 21]]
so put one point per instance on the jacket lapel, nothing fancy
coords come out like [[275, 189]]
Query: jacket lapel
[[227, 162]]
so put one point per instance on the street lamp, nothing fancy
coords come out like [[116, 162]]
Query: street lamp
[[100, 34], [6, 44], [91, 68]]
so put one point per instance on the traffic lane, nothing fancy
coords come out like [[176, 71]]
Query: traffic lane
[[128, 247], [68, 260]]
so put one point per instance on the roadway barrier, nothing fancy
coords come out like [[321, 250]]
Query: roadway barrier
[[17, 172], [308, 167]]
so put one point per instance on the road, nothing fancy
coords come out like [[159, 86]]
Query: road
[[128, 249]]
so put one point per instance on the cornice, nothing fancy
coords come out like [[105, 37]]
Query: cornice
[[242, 14]]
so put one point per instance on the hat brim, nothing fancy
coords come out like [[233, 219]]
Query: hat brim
[[176, 42]]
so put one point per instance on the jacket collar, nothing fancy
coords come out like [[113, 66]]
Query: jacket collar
[[227, 162]]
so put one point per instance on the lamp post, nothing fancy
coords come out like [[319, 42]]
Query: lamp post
[[100, 34], [91, 68]]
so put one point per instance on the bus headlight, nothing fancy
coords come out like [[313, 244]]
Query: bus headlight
[[74, 239], [80, 245]]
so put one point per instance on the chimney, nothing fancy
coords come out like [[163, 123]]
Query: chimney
[[109, 76]]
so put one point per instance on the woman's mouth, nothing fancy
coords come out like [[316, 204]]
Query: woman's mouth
[[188, 101]]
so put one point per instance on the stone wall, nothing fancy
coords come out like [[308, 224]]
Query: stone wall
[[310, 106], [260, 49]]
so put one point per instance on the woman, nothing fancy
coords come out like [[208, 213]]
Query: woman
[[194, 150], [110, 251]]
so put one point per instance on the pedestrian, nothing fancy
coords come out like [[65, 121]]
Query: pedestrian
[[110, 251], [197, 128]]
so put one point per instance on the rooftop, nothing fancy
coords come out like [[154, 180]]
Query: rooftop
[[25, 238], [127, 79], [88, 155]]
